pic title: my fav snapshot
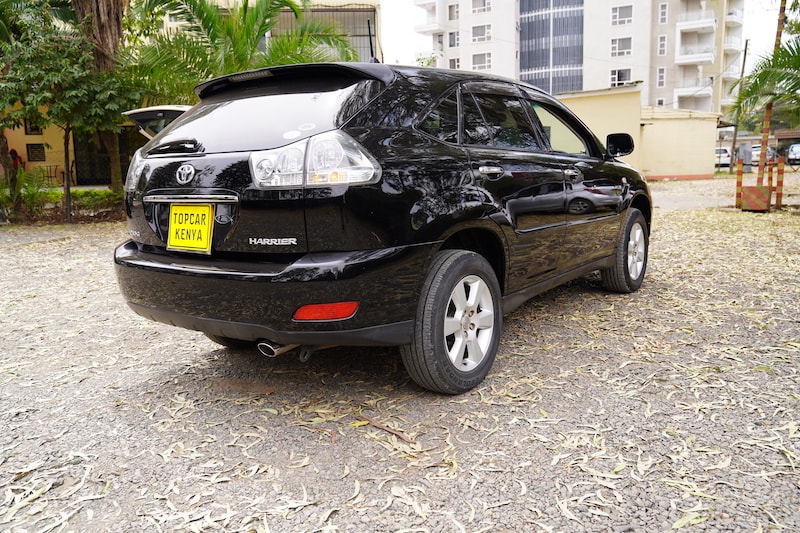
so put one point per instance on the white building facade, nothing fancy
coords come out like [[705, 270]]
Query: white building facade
[[684, 54]]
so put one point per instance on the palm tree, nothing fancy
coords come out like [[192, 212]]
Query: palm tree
[[774, 79], [212, 42]]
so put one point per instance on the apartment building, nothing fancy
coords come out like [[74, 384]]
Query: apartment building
[[359, 20], [684, 54]]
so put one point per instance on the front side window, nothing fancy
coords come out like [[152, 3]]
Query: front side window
[[561, 136]]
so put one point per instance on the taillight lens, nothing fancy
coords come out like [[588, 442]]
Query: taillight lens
[[135, 171], [331, 158]]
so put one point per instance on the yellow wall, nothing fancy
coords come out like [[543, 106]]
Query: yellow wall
[[669, 143], [53, 140]]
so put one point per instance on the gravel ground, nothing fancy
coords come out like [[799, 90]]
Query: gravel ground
[[677, 407]]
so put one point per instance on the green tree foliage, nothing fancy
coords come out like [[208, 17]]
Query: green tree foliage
[[775, 80], [212, 42], [51, 80]]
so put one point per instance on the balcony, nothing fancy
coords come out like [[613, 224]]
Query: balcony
[[695, 55], [698, 87], [734, 18], [424, 3], [697, 22], [732, 73], [732, 44]]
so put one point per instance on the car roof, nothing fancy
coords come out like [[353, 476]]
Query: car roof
[[377, 71]]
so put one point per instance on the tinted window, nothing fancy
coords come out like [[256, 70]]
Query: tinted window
[[507, 121], [560, 135], [442, 121], [258, 120], [475, 129]]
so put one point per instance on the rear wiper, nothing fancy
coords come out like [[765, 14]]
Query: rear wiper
[[182, 146]]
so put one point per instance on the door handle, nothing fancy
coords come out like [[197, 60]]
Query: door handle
[[491, 171], [572, 174]]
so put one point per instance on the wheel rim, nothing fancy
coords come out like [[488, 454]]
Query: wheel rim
[[469, 323], [637, 251]]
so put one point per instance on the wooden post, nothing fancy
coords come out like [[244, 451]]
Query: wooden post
[[739, 178], [779, 188]]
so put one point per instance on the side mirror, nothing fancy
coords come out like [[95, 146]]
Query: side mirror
[[619, 144]]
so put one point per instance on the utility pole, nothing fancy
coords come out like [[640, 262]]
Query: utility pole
[[735, 157]]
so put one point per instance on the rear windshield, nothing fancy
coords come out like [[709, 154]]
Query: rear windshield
[[268, 117]]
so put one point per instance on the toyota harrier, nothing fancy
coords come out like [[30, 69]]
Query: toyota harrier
[[306, 206]]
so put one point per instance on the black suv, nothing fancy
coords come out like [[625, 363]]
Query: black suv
[[366, 204]]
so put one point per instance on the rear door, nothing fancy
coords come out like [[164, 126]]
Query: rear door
[[508, 159]]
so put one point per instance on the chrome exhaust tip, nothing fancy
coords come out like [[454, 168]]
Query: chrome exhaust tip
[[273, 349]]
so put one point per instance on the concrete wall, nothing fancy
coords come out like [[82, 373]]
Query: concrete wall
[[670, 143]]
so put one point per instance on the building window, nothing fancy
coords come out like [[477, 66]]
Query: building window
[[452, 12], [661, 77], [481, 6], [482, 61], [439, 42], [36, 152], [621, 47], [453, 39], [621, 15], [620, 76], [662, 13], [659, 102], [30, 129], [662, 45], [455, 64], [482, 33]]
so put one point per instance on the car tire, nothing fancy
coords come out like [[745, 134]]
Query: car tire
[[229, 342], [630, 262], [458, 324], [579, 206]]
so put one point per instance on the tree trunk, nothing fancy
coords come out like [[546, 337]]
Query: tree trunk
[[110, 142], [67, 176], [105, 32], [10, 174]]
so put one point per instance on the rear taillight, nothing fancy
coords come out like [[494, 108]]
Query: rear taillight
[[331, 158]]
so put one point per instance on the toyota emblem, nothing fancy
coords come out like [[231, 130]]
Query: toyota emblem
[[184, 174]]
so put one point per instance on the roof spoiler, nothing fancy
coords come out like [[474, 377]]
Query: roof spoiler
[[375, 71]]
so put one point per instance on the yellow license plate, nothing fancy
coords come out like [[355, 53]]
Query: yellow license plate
[[190, 227]]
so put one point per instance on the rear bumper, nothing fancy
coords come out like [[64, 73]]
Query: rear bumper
[[256, 300]]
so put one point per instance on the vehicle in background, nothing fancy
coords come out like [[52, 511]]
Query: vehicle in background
[[793, 155], [723, 156]]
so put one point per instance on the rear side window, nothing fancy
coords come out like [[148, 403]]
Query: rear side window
[[442, 121]]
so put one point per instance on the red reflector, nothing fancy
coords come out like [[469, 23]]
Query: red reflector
[[333, 311]]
